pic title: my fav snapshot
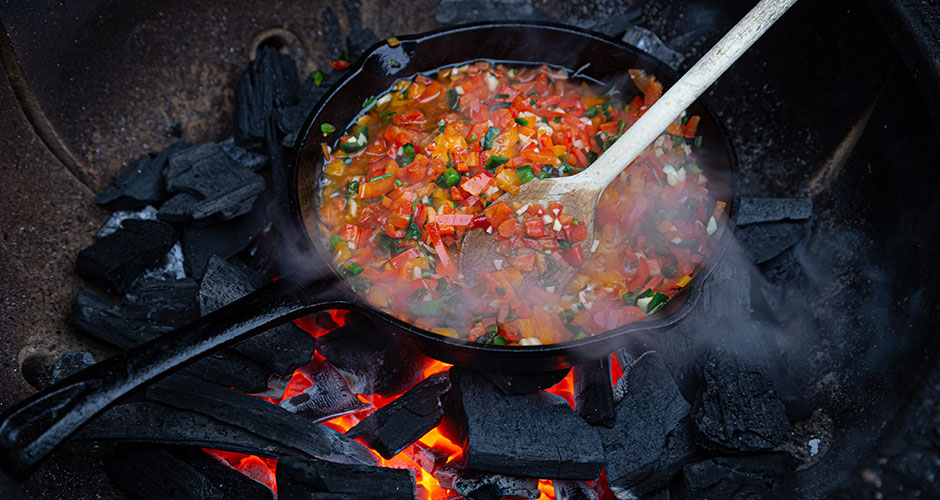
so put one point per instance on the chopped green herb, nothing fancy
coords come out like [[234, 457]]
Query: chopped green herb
[[363, 131], [502, 96], [327, 129], [501, 105], [413, 232], [567, 316], [427, 273], [407, 155], [525, 173], [350, 147], [698, 141], [629, 298], [659, 300], [334, 241], [352, 187], [383, 176], [491, 134], [591, 113], [647, 293], [522, 121], [495, 161], [557, 119], [533, 102], [500, 340], [385, 242], [452, 99], [369, 103], [317, 77], [395, 64], [449, 178], [354, 269], [398, 182]]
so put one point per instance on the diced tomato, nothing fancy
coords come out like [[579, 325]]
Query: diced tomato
[[576, 232], [393, 231], [525, 263], [507, 228], [339, 64], [480, 222], [641, 275], [535, 228], [478, 183], [400, 259], [497, 212], [461, 220], [574, 256], [411, 117], [351, 233]]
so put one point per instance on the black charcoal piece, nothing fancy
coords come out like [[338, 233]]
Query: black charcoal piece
[[766, 241], [573, 490], [258, 416], [223, 239], [371, 357], [248, 159], [141, 184], [679, 450], [71, 363], [116, 260], [10, 489], [297, 477], [476, 485], [763, 476], [208, 184], [226, 478], [398, 424], [738, 410], [136, 322], [759, 210], [326, 398], [281, 349], [646, 441], [149, 422], [170, 302], [426, 457], [525, 383], [152, 473], [534, 435], [269, 84], [594, 393]]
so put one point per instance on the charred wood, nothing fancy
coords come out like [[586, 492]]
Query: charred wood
[[297, 478], [327, 397], [593, 393], [116, 260], [764, 476]]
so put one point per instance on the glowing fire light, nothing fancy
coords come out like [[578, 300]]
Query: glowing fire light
[[428, 488]]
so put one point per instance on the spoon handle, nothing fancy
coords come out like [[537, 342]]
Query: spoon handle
[[681, 95]]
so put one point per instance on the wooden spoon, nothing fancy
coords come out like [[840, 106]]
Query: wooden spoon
[[580, 193]]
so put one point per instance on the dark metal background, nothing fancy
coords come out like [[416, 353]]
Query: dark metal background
[[90, 85]]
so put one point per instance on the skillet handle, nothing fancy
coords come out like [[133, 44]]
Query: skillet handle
[[33, 428]]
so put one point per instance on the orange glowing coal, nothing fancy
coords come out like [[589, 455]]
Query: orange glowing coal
[[428, 488]]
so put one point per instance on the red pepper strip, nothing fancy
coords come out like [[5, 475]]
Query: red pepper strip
[[376, 187], [434, 234], [459, 220], [574, 256], [691, 127], [400, 259]]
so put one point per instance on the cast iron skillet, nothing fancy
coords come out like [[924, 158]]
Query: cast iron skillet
[[30, 431]]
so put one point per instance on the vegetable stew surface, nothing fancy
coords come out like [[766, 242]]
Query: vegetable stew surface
[[429, 160]]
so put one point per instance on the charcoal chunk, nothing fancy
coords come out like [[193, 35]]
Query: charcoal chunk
[[766, 241], [679, 450], [297, 477], [71, 363], [141, 184], [152, 473], [373, 359], [269, 84], [593, 393], [764, 476], [759, 210], [327, 397], [281, 349], [477, 485], [170, 302], [291, 118], [223, 239], [535, 435], [258, 416], [115, 261], [251, 160], [208, 184], [524, 383], [398, 424], [739, 409], [427, 457], [573, 490], [647, 444]]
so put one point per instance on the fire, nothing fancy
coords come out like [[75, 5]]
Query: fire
[[428, 488]]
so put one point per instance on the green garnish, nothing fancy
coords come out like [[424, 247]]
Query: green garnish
[[698, 141], [491, 134], [449, 178], [591, 113], [383, 176], [351, 147], [567, 316], [557, 119], [522, 121], [500, 291], [659, 300], [317, 77], [353, 269], [407, 155], [525, 173], [629, 298], [398, 182], [500, 340], [501, 105], [452, 99], [334, 240], [502, 96], [327, 129], [369, 103], [352, 187], [495, 161]]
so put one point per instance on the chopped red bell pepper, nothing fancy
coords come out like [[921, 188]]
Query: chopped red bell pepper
[[339, 64], [497, 212], [402, 258], [525, 263], [460, 220], [535, 228]]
